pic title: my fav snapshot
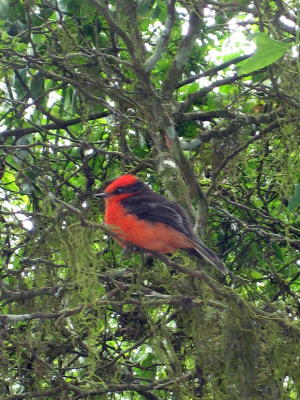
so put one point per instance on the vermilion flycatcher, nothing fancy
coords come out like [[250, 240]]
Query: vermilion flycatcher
[[145, 219]]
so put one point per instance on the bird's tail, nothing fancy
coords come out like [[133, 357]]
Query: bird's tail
[[201, 251]]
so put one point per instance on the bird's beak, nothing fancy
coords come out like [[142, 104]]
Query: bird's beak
[[102, 195]]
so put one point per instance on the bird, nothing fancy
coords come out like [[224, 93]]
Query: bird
[[147, 220]]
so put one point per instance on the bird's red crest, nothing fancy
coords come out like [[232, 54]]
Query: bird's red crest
[[123, 180]]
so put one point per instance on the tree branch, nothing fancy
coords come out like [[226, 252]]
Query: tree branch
[[119, 31], [213, 71], [19, 132], [181, 57], [29, 294], [163, 39], [204, 91]]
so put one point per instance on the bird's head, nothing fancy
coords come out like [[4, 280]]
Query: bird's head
[[122, 187]]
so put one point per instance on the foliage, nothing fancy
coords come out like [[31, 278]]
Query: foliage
[[268, 51], [91, 90]]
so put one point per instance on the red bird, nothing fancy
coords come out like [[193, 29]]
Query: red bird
[[145, 219]]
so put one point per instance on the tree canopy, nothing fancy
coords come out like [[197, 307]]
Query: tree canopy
[[201, 101]]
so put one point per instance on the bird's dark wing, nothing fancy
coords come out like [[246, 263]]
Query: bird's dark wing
[[152, 207], [155, 208]]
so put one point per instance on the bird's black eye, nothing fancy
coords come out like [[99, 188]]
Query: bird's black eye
[[119, 190]]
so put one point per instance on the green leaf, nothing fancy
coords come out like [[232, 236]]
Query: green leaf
[[144, 7], [18, 83], [295, 199], [268, 51], [37, 84], [67, 95], [278, 252], [193, 87], [256, 274]]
